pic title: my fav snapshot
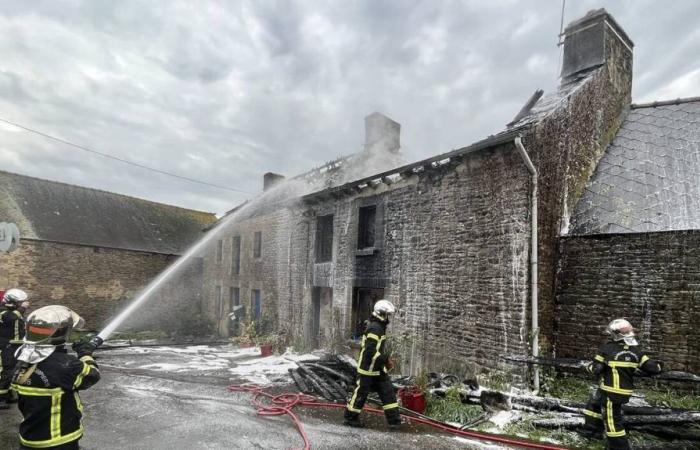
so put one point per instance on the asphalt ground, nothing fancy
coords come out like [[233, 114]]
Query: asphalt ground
[[166, 400]]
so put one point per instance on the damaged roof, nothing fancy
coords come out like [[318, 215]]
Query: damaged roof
[[59, 212], [649, 176]]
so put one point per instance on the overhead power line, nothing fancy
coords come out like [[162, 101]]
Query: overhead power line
[[125, 161]]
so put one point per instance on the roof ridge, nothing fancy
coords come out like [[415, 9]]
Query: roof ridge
[[677, 101], [107, 192]]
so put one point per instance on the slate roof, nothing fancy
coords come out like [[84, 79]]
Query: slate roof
[[59, 212], [649, 177]]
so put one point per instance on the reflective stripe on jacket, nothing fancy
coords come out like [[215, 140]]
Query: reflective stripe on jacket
[[373, 354], [616, 362], [11, 327], [49, 401]]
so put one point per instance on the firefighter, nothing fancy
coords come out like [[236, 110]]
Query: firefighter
[[14, 303], [372, 367], [47, 379], [614, 365]]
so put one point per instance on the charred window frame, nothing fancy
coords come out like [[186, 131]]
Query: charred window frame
[[257, 244], [234, 298], [324, 238], [367, 227], [236, 255], [219, 250]]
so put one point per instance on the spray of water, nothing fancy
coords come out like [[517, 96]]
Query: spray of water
[[285, 189]]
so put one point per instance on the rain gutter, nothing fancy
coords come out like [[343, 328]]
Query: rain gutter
[[534, 327]]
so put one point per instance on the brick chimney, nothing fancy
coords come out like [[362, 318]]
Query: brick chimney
[[381, 134], [271, 179], [596, 40]]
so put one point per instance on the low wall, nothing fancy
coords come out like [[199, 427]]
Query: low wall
[[652, 279]]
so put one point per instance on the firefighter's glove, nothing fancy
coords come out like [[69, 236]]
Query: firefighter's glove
[[389, 364], [86, 348], [589, 368]]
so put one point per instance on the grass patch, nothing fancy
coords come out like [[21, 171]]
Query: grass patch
[[567, 438], [568, 388], [450, 408], [667, 397]]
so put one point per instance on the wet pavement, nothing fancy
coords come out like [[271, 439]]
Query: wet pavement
[[174, 398]]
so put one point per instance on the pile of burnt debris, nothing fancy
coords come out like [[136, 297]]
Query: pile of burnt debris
[[333, 377]]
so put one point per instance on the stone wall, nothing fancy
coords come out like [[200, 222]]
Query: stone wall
[[451, 253], [96, 282], [652, 279], [256, 273]]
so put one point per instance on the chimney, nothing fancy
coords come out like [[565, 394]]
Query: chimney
[[381, 134], [594, 41], [271, 179]]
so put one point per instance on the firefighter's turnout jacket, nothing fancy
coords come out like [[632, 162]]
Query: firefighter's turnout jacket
[[11, 335], [11, 327], [372, 375], [48, 398], [374, 352], [615, 364]]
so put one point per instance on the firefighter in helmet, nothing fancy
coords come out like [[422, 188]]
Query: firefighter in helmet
[[47, 378], [614, 366], [14, 305], [372, 367]]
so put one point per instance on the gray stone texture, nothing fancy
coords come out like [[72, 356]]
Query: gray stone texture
[[652, 279]]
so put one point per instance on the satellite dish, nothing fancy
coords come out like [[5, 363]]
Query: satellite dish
[[9, 236]]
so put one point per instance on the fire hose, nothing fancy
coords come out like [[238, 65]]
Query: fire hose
[[282, 404]]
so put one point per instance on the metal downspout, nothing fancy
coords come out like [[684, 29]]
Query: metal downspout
[[534, 328]]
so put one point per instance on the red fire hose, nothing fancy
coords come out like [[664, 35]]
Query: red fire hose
[[285, 403]]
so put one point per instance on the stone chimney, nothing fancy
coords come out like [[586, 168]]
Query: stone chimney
[[381, 134], [596, 40], [271, 179]]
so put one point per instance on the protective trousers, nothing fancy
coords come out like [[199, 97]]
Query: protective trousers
[[602, 414], [380, 384], [7, 366]]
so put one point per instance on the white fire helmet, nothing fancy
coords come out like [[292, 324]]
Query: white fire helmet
[[51, 325], [622, 330], [383, 309], [15, 298]]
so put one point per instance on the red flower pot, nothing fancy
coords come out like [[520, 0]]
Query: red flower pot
[[413, 399], [266, 350]]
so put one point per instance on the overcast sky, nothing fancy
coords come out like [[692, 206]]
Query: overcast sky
[[224, 91]]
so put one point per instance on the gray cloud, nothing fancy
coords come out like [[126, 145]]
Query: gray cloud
[[225, 91]]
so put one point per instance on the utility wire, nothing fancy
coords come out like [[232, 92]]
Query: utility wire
[[125, 161]]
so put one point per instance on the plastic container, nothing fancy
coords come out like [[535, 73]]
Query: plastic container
[[266, 350], [412, 398]]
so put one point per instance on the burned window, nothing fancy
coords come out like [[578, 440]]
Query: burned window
[[257, 244], [234, 298], [255, 304], [219, 250], [218, 304], [324, 238], [366, 227], [236, 255]]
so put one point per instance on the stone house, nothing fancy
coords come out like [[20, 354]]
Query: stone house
[[92, 250], [449, 239]]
